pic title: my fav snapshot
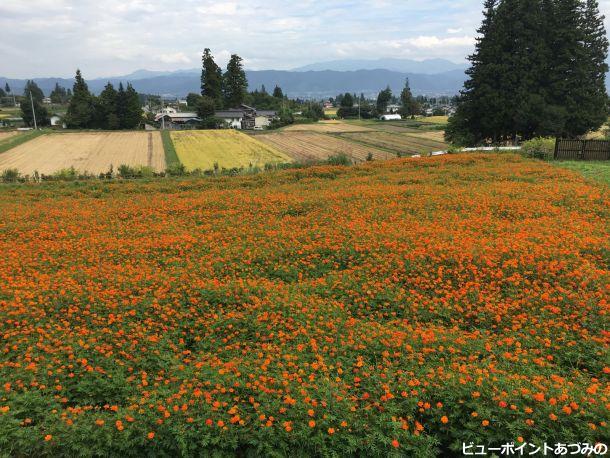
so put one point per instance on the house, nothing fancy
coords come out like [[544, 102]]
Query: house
[[177, 121], [393, 108], [390, 117], [56, 121], [246, 117]]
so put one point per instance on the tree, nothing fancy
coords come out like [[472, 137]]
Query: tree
[[347, 101], [33, 95], [383, 100], [106, 116], [211, 79], [59, 95], [410, 107], [538, 70], [235, 82], [81, 111], [2, 93], [278, 93], [7, 88], [206, 111], [192, 100], [131, 108]]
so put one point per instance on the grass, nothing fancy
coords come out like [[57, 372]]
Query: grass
[[434, 119], [595, 170], [21, 138], [171, 157]]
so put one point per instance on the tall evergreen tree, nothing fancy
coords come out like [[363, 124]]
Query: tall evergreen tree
[[7, 88], [538, 69], [59, 95], [132, 116], [211, 79], [235, 83], [278, 93], [106, 109], [81, 111], [383, 100], [410, 107]]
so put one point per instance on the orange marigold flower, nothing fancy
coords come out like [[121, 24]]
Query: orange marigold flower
[[395, 443], [312, 423], [485, 422], [444, 419], [331, 431], [48, 437], [150, 435]]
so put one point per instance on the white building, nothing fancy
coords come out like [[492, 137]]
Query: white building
[[390, 117]]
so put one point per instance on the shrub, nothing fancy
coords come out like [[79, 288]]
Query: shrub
[[10, 175], [176, 170], [66, 174], [539, 148], [339, 159]]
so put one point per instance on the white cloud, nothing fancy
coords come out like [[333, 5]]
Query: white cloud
[[110, 37]]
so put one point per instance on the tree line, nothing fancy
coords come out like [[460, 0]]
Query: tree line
[[538, 70], [112, 110], [351, 106]]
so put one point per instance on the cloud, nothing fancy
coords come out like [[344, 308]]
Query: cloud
[[110, 37]]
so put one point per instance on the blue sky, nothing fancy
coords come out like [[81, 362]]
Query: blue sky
[[111, 37]]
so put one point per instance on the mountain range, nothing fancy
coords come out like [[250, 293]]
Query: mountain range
[[327, 79]]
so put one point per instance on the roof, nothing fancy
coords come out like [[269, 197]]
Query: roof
[[229, 114], [270, 113], [178, 116]]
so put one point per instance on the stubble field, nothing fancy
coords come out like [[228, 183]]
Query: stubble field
[[395, 308], [86, 152]]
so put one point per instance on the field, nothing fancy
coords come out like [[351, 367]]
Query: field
[[311, 146], [434, 119], [399, 143], [395, 308], [327, 127], [6, 135], [227, 148], [86, 152]]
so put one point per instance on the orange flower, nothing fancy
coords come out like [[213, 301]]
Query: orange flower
[[395, 443], [48, 437], [331, 431], [312, 423], [150, 435], [485, 422], [444, 419]]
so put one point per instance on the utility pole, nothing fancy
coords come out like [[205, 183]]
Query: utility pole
[[33, 110]]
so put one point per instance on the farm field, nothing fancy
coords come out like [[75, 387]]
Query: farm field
[[327, 127], [86, 152], [395, 308], [312, 146], [434, 119], [6, 135], [398, 143], [227, 148]]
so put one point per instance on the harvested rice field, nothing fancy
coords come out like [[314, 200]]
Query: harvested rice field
[[311, 146], [403, 144], [7, 135], [87, 152], [202, 149], [328, 127]]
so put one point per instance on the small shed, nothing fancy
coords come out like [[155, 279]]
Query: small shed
[[390, 117]]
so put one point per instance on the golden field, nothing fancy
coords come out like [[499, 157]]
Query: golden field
[[202, 149], [86, 152]]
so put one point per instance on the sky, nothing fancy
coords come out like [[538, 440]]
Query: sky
[[115, 37]]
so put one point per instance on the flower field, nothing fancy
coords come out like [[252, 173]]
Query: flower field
[[395, 308], [226, 148]]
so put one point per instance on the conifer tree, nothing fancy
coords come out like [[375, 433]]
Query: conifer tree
[[133, 110], [211, 79], [235, 84], [106, 109], [42, 115], [81, 111], [278, 93], [410, 107]]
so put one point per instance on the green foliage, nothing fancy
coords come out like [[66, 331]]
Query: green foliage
[[69, 174], [193, 100], [10, 176], [339, 159], [383, 100], [539, 148], [42, 115], [175, 169], [127, 171], [81, 111], [410, 106], [211, 79], [235, 83], [537, 71], [594, 170], [278, 93], [60, 95]]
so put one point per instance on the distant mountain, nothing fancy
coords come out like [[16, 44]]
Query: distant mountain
[[310, 84], [425, 67]]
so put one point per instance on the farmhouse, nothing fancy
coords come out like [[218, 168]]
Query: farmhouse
[[56, 121], [247, 118], [178, 121]]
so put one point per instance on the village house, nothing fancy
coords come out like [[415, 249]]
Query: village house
[[173, 120], [247, 118]]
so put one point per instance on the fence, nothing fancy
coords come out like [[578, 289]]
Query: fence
[[582, 150]]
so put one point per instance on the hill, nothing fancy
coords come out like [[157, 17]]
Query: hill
[[318, 84], [425, 67]]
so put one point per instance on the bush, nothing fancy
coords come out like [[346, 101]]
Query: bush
[[10, 175], [66, 174], [339, 159], [176, 170], [539, 148], [127, 171]]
